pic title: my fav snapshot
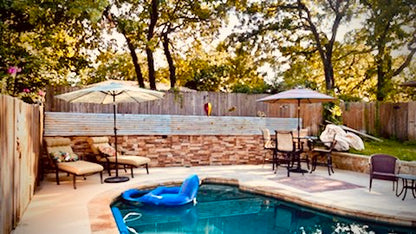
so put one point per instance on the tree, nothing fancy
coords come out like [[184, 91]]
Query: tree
[[153, 15], [323, 43], [218, 70], [293, 29], [390, 27], [126, 28], [148, 24], [180, 19], [44, 42]]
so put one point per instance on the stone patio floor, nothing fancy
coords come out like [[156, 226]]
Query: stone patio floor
[[61, 209]]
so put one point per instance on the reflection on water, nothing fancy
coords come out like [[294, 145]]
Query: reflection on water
[[225, 209]]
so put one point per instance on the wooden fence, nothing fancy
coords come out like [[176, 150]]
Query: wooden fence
[[89, 124], [192, 103], [389, 120], [397, 120], [20, 141]]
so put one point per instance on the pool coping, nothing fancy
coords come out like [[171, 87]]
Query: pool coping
[[102, 220]]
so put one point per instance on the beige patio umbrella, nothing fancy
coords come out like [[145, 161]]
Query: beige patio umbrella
[[297, 96], [111, 91]]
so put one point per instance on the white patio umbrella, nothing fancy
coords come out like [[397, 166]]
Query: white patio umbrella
[[111, 91], [297, 96]]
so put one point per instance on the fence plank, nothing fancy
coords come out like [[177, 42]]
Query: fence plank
[[411, 127], [7, 215]]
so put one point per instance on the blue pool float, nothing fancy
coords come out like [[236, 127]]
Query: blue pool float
[[133, 195], [168, 196]]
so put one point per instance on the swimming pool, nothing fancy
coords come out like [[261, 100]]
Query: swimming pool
[[226, 209]]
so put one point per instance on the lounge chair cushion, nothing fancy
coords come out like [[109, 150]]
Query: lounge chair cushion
[[80, 167], [98, 144], [130, 160]]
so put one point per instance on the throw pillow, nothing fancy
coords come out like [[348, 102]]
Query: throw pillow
[[107, 150], [63, 157]]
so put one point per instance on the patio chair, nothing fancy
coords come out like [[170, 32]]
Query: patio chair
[[268, 144], [287, 152], [325, 151], [383, 167], [306, 145], [105, 154], [64, 159]]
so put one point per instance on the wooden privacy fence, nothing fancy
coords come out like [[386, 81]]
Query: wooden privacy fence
[[89, 124], [390, 120], [192, 103], [397, 120], [20, 140]]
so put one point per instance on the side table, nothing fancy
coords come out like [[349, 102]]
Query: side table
[[409, 182]]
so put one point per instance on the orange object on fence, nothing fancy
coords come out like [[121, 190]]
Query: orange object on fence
[[208, 108]]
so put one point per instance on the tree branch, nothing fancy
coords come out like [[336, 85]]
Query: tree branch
[[408, 58]]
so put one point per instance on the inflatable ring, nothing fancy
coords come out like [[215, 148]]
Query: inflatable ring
[[173, 196], [133, 195]]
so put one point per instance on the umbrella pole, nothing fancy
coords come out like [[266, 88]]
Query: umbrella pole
[[298, 169], [116, 179], [115, 132], [299, 123]]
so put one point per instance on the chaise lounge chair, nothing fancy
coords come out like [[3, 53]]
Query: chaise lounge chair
[[60, 152], [105, 154]]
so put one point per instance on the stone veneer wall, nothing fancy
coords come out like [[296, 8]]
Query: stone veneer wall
[[359, 163], [169, 151], [205, 150]]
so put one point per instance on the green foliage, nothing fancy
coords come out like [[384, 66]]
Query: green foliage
[[332, 112], [110, 65], [390, 27], [403, 150], [46, 40], [61, 42], [261, 87], [218, 71]]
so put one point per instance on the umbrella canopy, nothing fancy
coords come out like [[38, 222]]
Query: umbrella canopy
[[296, 96], [104, 93], [112, 91], [409, 83]]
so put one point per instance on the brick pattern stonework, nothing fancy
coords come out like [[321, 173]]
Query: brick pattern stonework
[[172, 151], [206, 150]]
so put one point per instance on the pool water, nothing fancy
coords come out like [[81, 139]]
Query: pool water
[[226, 209]]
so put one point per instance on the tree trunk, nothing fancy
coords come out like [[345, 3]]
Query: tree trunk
[[172, 68], [136, 64], [380, 83], [151, 67], [130, 45], [329, 74], [325, 48], [149, 51]]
